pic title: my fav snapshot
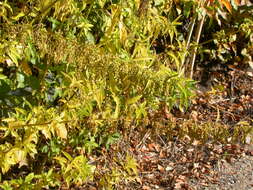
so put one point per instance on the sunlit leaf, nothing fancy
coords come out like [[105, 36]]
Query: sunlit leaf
[[227, 4], [61, 130], [131, 165], [133, 100], [18, 16], [2, 77], [99, 97], [118, 104]]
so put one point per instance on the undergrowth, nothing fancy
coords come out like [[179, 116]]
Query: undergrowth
[[76, 75]]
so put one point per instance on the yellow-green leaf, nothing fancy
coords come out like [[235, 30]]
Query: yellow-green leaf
[[18, 16], [133, 100], [61, 130], [117, 109]]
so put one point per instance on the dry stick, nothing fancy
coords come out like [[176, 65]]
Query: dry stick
[[190, 32], [189, 36], [197, 35]]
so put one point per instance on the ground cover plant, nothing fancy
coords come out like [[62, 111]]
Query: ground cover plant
[[86, 85]]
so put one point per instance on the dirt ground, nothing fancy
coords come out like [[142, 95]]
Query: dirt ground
[[234, 176], [237, 175]]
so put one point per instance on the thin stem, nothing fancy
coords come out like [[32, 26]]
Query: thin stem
[[193, 21], [190, 32], [197, 35]]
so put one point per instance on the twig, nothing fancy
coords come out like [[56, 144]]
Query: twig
[[189, 36], [190, 32], [197, 35], [143, 139]]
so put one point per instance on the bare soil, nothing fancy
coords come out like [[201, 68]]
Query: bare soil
[[234, 175]]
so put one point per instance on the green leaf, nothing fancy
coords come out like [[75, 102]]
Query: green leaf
[[14, 54], [67, 155], [99, 97], [18, 16], [118, 104], [6, 185], [4, 88], [112, 139], [141, 111], [63, 161], [133, 100], [30, 177], [21, 80], [3, 77], [131, 165]]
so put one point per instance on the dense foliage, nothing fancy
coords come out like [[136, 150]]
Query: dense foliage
[[75, 74]]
